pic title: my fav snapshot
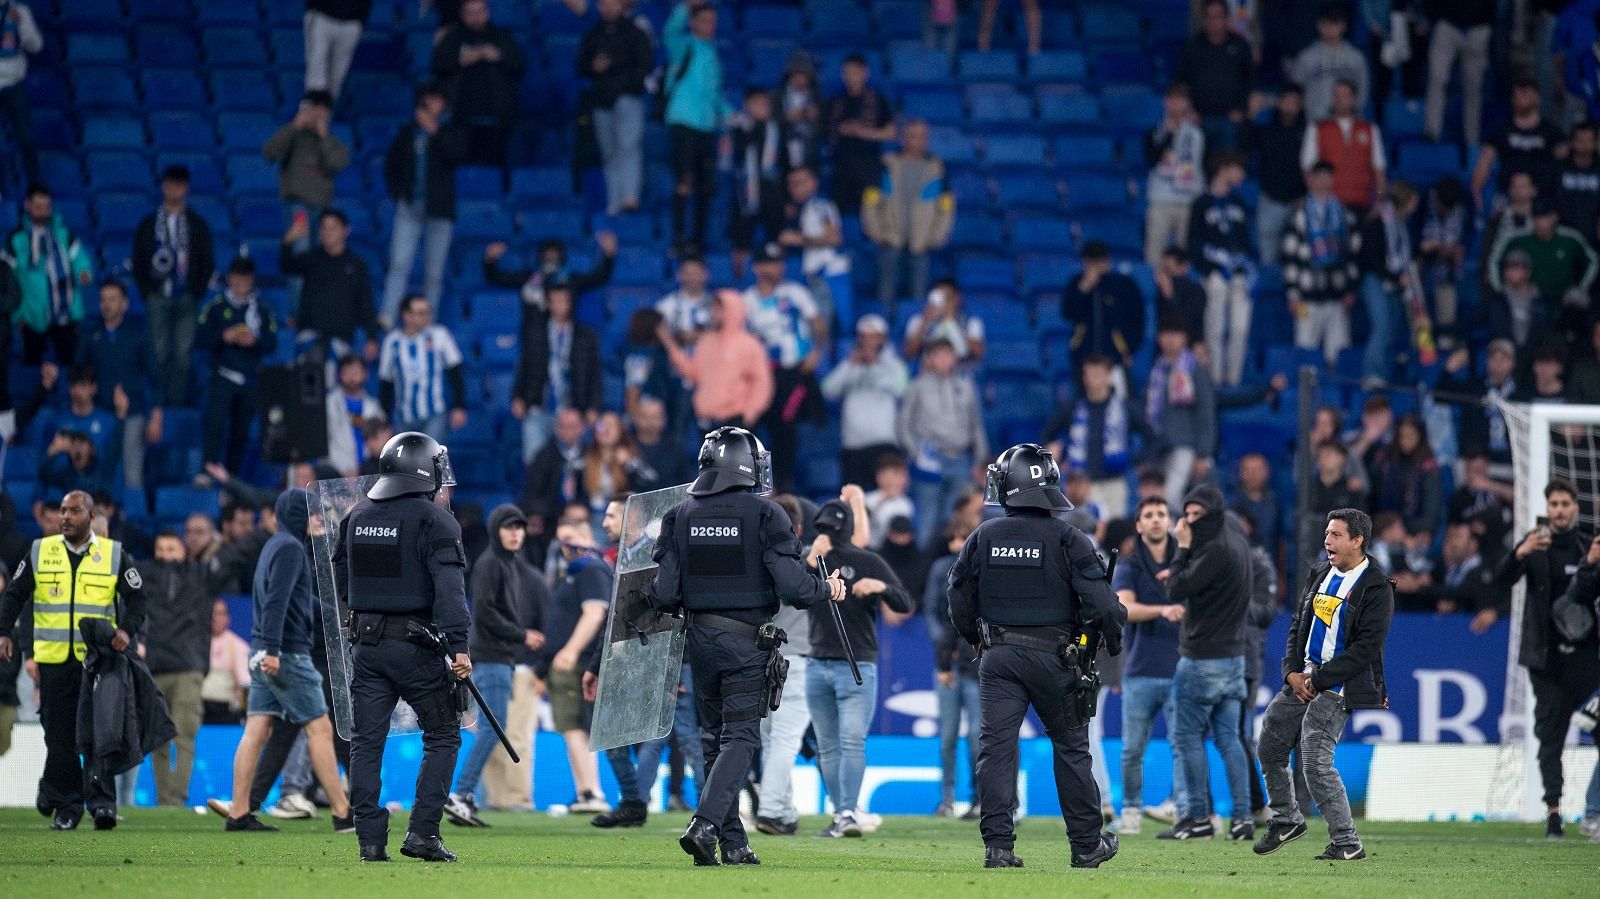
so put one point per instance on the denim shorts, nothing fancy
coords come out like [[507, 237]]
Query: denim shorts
[[294, 693]]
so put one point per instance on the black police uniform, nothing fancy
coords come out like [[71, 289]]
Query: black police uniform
[[400, 563], [728, 558], [1036, 583]]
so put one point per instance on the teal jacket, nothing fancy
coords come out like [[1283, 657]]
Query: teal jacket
[[694, 76], [33, 312]]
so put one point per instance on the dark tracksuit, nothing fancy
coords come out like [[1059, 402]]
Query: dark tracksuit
[[231, 393], [400, 562], [740, 578], [67, 785], [1039, 578]]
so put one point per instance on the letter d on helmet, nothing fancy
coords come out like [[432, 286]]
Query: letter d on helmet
[[1026, 477]]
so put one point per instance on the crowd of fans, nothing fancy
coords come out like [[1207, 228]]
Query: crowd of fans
[[1268, 183]]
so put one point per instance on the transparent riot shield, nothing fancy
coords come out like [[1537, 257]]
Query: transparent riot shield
[[643, 652], [329, 502]]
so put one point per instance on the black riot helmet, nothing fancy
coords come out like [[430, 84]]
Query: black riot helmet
[[410, 463], [732, 458], [1026, 477]]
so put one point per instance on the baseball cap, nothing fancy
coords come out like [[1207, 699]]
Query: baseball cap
[[900, 524], [872, 323], [831, 517], [770, 252]]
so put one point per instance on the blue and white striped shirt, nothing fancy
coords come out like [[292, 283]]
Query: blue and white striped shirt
[[1329, 608], [417, 365]]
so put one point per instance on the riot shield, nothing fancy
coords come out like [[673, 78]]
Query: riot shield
[[329, 502], [643, 652]]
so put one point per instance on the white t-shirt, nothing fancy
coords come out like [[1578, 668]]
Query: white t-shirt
[[782, 321], [816, 216], [416, 364]]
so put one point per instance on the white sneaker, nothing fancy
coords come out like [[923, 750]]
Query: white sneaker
[[590, 804], [1129, 825], [293, 806], [850, 825], [1166, 812], [869, 822], [1590, 827]]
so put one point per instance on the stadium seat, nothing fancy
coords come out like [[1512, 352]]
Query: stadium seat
[[1041, 233], [249, 173], [897, 19], [178, 503], [166, 12], [1003, 107], [1058, 65], [120, 212], [564, 225], [233, 46], [245, 132], [1104, 24], [1046, 271], [1090, 191], [1130, 108], [235, 12], [918, 66], [259, 216], [62, 171], [971, 189], [1069, 107], [974, 231], [46, 90], [983, 272], [166, 47], [1085, 152], [118, 170], [1123, 65], [1014, 149], [478, 182], [1021, 190], [103, 88], [204, 176], [288, 47], [113, 133], [182, 131], [1123, 235], [171, 89], [771, 21], [1423, 156], [538, 185], [82, 14], [242, 90], [485, 219], [97, 48], [937, 107], [995, 65], [951, 144]]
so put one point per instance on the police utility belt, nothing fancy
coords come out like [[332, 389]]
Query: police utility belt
[[768, 637], [370, 628], [1076, 656], [435, 711]]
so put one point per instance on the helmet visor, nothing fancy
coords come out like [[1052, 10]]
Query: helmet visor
[[763, 471], [441, 467], [991, 486]]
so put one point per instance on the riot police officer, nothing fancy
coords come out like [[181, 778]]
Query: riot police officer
[[400, 564], [728, 557], [1031, 593]]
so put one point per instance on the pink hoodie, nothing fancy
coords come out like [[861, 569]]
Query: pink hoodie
[[729, 369]]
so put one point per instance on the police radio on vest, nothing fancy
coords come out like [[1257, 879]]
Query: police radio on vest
[[1014, 552], [374, 531], [713, 531]]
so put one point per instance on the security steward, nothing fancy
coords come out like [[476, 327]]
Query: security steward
[[400, 564], [1030, 592], [727, 557], [72, 577]]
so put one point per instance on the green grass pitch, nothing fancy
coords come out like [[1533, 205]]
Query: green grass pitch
[[176, 853]]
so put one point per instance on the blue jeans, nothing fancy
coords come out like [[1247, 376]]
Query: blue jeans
[[781, 734], [1142, 697], [963, 697], [1210, 691], [1272, 218], [537, 428], [313, 216], [620, 133], [293, 694], [636, 767], [889, 258], [412, 226], [935, 498], [841, 712], [494, 682], [1387, 318]]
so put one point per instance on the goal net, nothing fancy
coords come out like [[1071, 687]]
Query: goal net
[[1547, 442]]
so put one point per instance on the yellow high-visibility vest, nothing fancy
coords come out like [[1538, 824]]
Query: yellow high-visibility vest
[[61, 598]]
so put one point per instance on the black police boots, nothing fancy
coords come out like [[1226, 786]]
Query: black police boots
[[65, 820], [700, 841], [105, 819], [629, 814], [1102, 854], [995, 857], [429, 849], [743, 855], [374, 853]]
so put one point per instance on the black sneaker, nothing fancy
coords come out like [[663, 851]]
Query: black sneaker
[[1189, 829], [995, 857], [105, 819], [374, 854], [65, 820], [1553, 828], [248, 822], [1242, 829], [1104, 853], [776, 828], [347, 824], [628, 814], [429, 849], [742, 855], [1277, 836], [834, 830], [700, 842], [1335, 853]]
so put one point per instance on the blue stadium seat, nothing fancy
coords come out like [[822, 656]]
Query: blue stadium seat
[[538, 185], [1014, 149], [81, 14], [918, 66], [1130, 108], [97, 48], [263, 251], [1429, 158], [113, 133], [102, 87], [249, 173], [46, 90], [1046, 271], [1121, 233], [1123, 65], [772, 21], [245, 132], [166, 47], [288, 47], [62, 171], [118, 170], [259, 216], [485, 219], [1085, 152], [971, 189], [233, 46], [479, 183], [996, 65], [937, 106], [897, 19], [1058, 65], [243, 90], [984, 272], [951, 145], [1096, 192], [119, 213], [992, 107], [216, 213], [639, 266], [973, 231], [234, 12], [167, 12], [75, 212], [171, 89], [564, 225], [1069, 107], [182, 131], [1104, 23], [204, 176], [1022, 190], [178, 503], [1040, 232]]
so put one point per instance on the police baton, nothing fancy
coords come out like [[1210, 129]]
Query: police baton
[[436, 640], [838, 622]]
